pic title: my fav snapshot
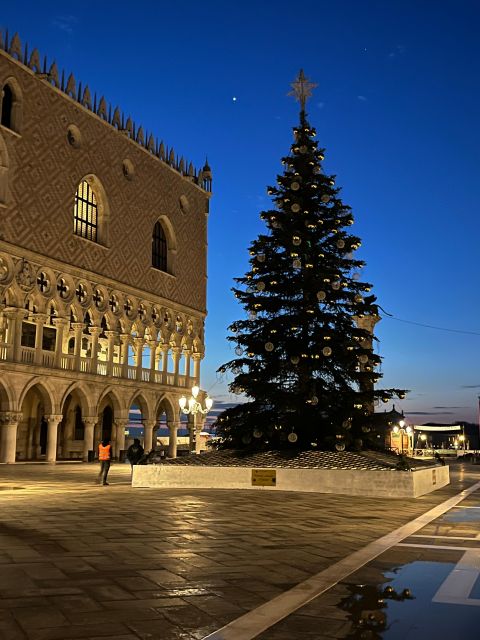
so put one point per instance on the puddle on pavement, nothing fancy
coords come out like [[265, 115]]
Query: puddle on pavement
[[461, 515], [401, 606]]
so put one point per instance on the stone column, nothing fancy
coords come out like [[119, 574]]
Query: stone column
[[176, 364], [52, 435], [94, 332], [188, 355], [111, 335], [39, 319], [8, 432], [89, 423], [197, 357], [148, 435], [165, 349], [78, 329], [173, 427], [124, 339], [60, 323], [14, 331], [139, 353], [120, 424], [153, 348]]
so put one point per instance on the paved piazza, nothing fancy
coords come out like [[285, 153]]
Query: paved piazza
[[79, 560]]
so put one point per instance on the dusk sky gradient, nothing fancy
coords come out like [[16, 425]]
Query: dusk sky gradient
[[397, 108]]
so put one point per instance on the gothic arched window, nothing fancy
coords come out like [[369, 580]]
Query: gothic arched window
[[85, 216], [7, 105], [11, 105], [159, 248]]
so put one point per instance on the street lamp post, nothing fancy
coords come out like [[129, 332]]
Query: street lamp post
[[402, 429], [193, 407]]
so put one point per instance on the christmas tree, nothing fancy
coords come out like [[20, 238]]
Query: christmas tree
[[305, 350]]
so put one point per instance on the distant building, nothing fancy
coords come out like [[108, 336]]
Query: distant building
[[103, 235]]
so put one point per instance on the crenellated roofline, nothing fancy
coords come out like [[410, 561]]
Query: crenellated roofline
[[101, 109]]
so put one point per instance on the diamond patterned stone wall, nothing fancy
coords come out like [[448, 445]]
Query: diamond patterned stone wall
[[44, 170]]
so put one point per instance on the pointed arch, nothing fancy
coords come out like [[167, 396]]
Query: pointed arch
[[81, 392], [166, 405], [47, 396], [7, 396], [138, 398], [109, 395]]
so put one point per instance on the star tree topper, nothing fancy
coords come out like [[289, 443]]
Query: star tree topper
[[302, 89]]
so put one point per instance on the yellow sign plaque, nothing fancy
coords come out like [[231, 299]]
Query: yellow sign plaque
[[264, 477]]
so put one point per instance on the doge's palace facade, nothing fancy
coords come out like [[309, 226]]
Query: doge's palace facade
[[103, 242]]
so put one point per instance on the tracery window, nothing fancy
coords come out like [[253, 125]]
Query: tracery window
[[85, 217], [159, 248]]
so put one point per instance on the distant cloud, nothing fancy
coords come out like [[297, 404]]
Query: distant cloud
[[429, 413], [470, 386], [65, 23], [362, 98], [449, 407], [398, 51]]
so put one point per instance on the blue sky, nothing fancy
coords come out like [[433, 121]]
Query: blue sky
[[397, 108]]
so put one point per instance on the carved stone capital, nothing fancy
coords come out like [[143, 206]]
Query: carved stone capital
[[8, 418], [150, 424], [54, 418], [60, 322]]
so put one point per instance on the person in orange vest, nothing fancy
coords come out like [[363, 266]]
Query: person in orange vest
[[105, 457]]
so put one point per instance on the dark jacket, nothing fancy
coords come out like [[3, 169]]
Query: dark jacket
[[134, 453]]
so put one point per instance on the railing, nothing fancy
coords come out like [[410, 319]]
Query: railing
[[48, 358], [27, 355], [102, 368], [157, 377], [85, 365], [68, 363], [4, 348], [430, 453], [117, 370]]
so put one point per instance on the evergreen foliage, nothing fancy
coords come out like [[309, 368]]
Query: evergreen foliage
[[305, 356]]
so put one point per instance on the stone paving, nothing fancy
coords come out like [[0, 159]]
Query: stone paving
[[79, 560]]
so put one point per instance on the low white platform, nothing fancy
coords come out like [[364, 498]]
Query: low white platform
[[358, 482]]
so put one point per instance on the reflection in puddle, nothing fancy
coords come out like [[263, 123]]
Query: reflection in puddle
[[400, 606], [365, 607]]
